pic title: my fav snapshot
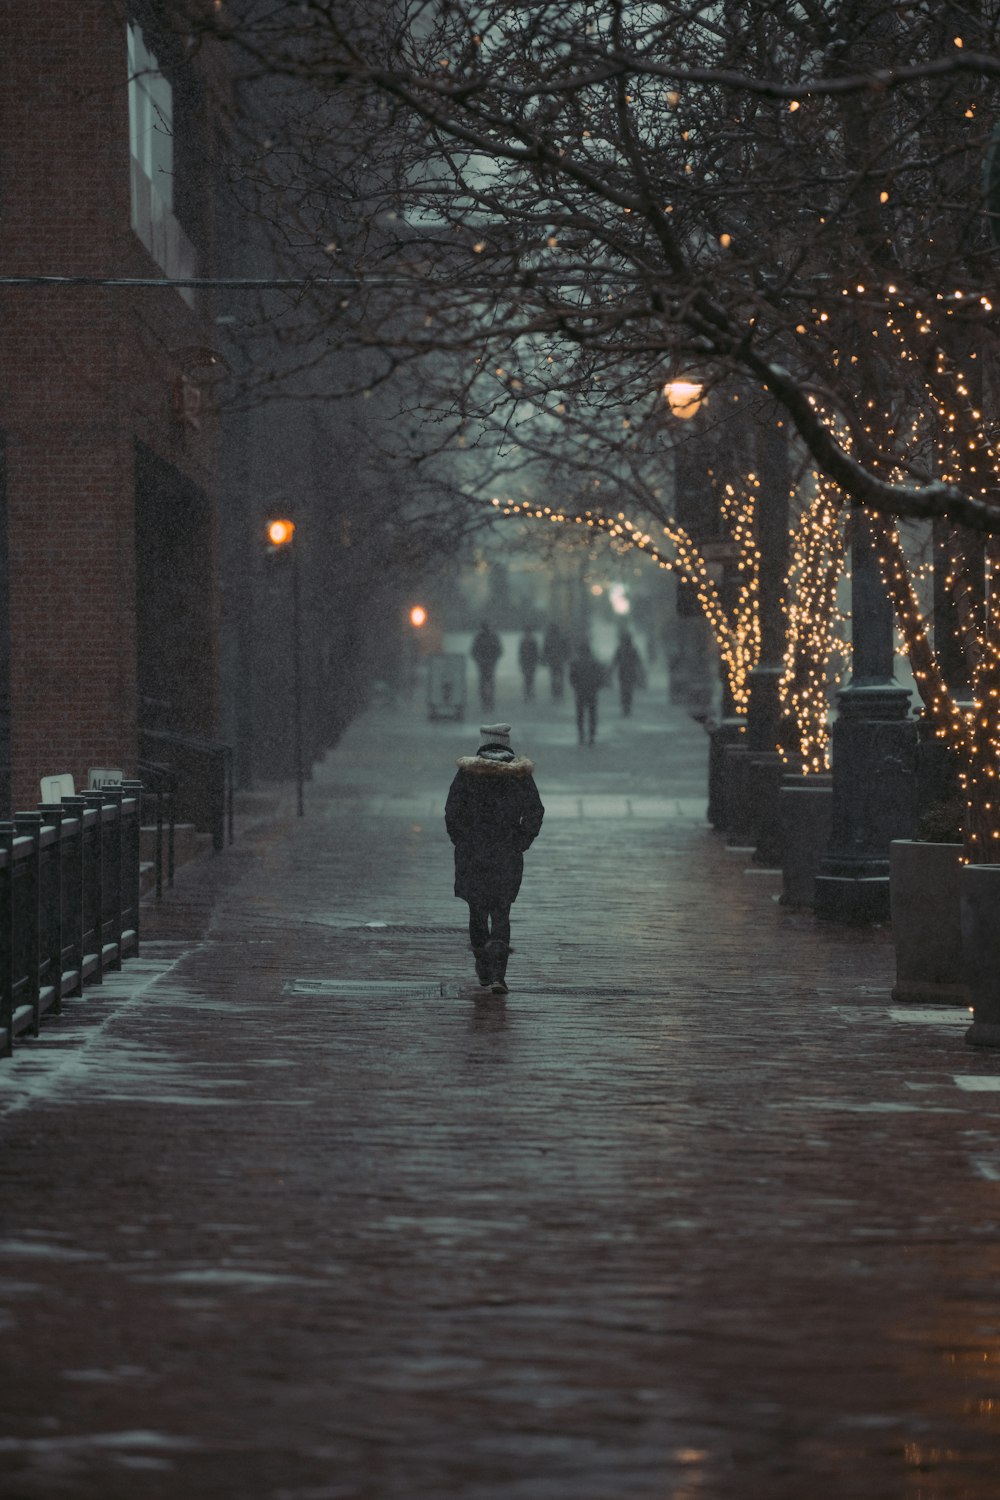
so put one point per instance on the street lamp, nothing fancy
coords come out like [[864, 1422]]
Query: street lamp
[[280, 533], [695, 509], [684, 397]]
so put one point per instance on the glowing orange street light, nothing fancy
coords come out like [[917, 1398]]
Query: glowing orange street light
[[280, 532], [418, 616]]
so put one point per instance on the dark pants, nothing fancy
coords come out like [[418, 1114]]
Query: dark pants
[[487, 690], [627, 689], [489, 921], [557, 677], [586, 708], [529, 684]]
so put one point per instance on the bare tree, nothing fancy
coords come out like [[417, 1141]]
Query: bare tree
[[550, 209], [588, 197]]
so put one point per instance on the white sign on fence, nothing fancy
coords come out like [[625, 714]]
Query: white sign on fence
[[99, 777]]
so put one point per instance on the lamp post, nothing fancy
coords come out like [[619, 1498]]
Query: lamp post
[[745, 768], [280, 536], [874, 754], [766, 767], [695, 510]]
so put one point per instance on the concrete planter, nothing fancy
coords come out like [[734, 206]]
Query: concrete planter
[[925, 911], [767, 773], [730, 731], [805, 809], [980, 901], [740, 825]]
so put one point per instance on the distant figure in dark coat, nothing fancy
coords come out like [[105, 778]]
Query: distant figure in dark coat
[[527, 655], [628, 664], [586, 676], [493, 814], [486, 651], [555, 654]]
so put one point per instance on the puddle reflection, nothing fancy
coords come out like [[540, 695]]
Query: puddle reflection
[[489, 1013]]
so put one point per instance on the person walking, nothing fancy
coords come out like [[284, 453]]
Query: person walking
[[555, 655], [628, 664], [586, 676], [527, 656], [493, 814], [486, 651]]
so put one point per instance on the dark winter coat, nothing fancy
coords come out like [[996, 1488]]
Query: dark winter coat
[[556, 650], [487, 648], [493, 814], [628, 661], [587, 675], [527, 653]]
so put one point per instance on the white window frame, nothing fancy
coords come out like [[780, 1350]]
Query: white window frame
[[151, 150]]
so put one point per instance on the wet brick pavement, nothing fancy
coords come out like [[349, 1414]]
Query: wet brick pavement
[[693, 1214]]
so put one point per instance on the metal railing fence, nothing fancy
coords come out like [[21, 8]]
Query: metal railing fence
[[203, 789], [160, 794], [69, 902]]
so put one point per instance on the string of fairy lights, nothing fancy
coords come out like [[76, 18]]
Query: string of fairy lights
[[945, 430], [737, 636], [939, 427], [815, 636], [815, 647]]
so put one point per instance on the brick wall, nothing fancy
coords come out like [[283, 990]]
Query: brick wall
[[84, 372]]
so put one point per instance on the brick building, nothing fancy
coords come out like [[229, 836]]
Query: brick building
[[107, 531]]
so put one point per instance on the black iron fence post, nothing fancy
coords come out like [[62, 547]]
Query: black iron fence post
[[131, 859], [69, 902], [73, 904], [51, 901], [6, 936]]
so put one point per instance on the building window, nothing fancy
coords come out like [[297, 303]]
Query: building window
[[150, 116], [151, 145]]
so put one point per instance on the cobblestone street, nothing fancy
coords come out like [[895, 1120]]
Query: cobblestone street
[[290, 1213]]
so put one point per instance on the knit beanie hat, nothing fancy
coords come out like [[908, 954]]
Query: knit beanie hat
[[495, 734]]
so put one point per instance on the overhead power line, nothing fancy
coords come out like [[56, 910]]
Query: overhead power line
[[305, 283], [207, 283]]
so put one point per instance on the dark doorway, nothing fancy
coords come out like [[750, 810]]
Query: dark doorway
[[5, 791], [174, 598]]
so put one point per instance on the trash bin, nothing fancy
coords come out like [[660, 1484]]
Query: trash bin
[[445, 686]]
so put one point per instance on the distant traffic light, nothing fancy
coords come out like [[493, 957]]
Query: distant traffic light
[[280, 532], [418, 616]]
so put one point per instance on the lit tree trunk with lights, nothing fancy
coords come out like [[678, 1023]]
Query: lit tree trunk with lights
[[731, 605], [969, 730], [813, 640], [981, 738]]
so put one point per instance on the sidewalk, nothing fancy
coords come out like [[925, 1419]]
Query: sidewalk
[[694, 1214]]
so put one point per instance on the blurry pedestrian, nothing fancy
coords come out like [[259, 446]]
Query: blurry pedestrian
[[493, 814], [587, 676], [555, 654], [527, 655], [486, 651], [628, 664]]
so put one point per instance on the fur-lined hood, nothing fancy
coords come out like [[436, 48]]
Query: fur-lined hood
[[478, 765]]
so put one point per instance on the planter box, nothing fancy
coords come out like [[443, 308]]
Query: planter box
[[805, 807], [925, 911]]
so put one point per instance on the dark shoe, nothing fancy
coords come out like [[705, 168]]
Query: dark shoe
[[496, 953]]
